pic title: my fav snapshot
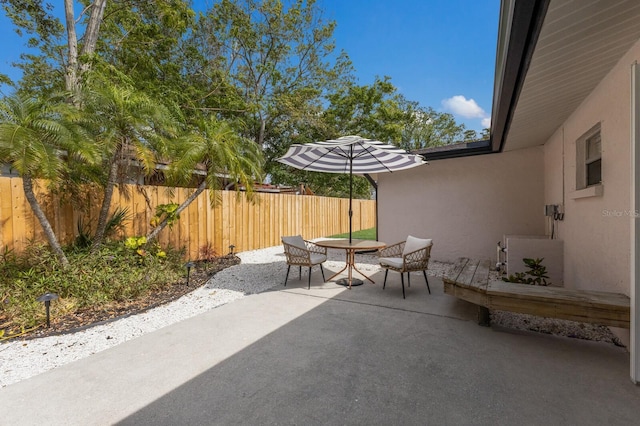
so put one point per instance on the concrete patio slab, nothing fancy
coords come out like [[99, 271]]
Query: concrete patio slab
[[335, 356]]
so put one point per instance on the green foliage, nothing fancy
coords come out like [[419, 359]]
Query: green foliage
[[40, 138], [143, 247], [146, 41], [126, 124], [536, 274], [275, 54], [36, 133], [116, 221], [427, 128], [4, 79], [134, 243], [125, 121], [114, 224], [375, 111], [166, 212], [222, 150], [83, 239], [167, 84], [113, 274], [44, 34]]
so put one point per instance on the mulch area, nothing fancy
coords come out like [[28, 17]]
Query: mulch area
[[202, 271]]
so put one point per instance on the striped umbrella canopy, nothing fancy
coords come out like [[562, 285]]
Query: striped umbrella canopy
[[350, 154]]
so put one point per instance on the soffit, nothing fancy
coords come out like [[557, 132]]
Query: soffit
[[579, 43]]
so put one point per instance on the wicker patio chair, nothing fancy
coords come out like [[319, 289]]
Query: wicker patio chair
[[300, 252], [407, 256]]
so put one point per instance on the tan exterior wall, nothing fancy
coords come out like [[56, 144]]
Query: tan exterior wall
[[465, 204], [596, 229]]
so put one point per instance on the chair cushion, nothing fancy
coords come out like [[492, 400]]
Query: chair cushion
[[317, 258], [394, 262], [296, 241], [412, 244]]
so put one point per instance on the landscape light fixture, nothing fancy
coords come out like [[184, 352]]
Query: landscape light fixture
[[47, 298], [189, 265], [231, 247]]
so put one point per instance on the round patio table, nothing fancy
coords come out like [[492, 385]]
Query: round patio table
[[350, 248]]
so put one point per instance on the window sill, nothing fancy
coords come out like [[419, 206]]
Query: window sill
[[591, 191]]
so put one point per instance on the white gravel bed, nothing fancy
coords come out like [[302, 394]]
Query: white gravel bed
[[557, 327], [21, 359], [259, 270]]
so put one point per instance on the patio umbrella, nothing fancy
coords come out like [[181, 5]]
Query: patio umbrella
[[350, 154]]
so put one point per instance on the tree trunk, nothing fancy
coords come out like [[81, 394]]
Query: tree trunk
[[74, 68], [263, 124], [106, 204], [154, 233], [27, 185], [71, 74], [93, 28]]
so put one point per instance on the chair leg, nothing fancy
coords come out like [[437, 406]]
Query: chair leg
[[300, 272], [427, 280], [322, 270], [408, 279], [385, 278], [402, 281], [309, 288], [287, 276]]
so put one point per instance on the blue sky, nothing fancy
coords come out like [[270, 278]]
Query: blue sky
[[440, 53]]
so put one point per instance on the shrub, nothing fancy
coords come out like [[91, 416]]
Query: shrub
[[536, 273], [114, 274]]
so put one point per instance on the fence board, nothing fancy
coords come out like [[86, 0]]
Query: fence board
[[233, 219], [6, 209], [139, 211], [18, 206], [223, 223]]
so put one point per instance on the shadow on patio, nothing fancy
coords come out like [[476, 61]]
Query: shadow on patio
[[335, 356], [366, 356]]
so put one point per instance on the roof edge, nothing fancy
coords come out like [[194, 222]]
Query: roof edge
[[520, 25], [458, 150]]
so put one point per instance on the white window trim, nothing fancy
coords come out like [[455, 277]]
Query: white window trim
[[582, 190], [589, 191]]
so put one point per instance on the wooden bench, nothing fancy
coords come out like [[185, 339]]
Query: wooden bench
[[469, 280]]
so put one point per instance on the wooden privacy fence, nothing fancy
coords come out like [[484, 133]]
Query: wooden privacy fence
[[233, 221]]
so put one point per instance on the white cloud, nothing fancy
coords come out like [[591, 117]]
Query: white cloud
[[467, 108]]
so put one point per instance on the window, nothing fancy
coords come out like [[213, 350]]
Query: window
[[593, 162], [589, 159]]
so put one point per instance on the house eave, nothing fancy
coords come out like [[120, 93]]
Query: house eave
[[550, 71], [520, 25]]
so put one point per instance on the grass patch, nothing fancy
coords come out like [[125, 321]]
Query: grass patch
[[363, 234]]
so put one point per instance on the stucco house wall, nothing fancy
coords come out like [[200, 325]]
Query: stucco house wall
[[596, 229], [465, 204]]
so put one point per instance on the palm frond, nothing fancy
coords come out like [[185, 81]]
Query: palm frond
[[33, 136]]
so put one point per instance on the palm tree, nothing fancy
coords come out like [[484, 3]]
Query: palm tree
[[223, 152], [35, 135], [129, 126]]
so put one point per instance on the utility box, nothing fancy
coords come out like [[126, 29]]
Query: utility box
[[519, 247]]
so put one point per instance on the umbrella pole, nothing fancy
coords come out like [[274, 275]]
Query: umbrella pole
[[350, 191]]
